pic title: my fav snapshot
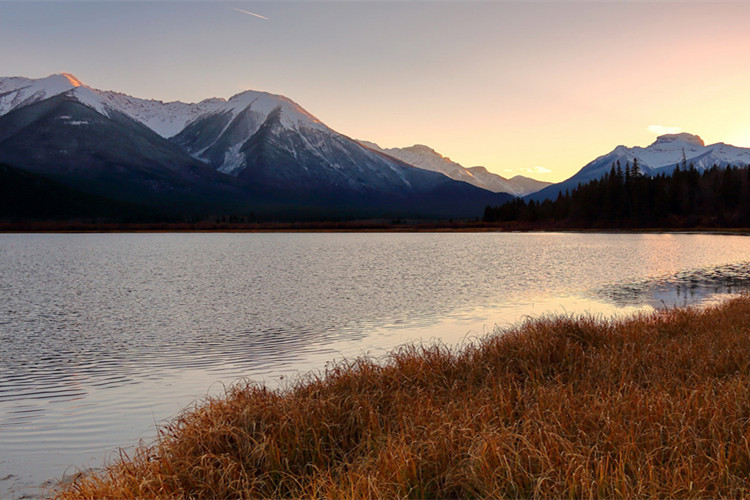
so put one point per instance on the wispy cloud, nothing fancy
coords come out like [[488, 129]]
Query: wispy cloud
[[661, 129], [537, 170], [251, 13]]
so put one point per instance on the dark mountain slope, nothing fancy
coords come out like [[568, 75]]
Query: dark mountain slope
[[26, 196], [112, 156]]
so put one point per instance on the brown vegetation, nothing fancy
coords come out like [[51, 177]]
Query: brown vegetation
[[656, 405]]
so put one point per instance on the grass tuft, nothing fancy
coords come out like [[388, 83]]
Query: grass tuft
[[653, 405]]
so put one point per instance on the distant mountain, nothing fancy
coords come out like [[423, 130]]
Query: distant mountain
[[269, 143], [660, 157], [525, 184], [255, 151], [428, 159]]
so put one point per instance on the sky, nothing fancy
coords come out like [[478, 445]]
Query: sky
[[536, 88]]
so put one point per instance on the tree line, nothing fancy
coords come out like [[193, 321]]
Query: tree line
[[716, 197]]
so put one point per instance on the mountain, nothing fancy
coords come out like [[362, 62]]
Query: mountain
[[253, 152], [272, 146], [28, 196], [525, 184], [428, 159], [165, 119], [660, 157], [111, 155]]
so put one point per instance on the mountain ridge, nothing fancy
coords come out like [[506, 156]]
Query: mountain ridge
[[250, 152], [661, 156], [425, 157]]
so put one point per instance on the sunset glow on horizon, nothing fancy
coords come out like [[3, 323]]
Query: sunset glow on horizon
[[536, 89]]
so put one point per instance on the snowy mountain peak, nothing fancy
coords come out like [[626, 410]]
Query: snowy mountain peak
[[17, 92], [265, 102], [165, 118], [57, 83], [662, 156], [678, 140], [71, 79]]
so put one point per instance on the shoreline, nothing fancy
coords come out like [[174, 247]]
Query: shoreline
[[345, 227], [651, 405]]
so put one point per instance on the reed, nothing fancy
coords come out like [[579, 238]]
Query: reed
[[652, 405]]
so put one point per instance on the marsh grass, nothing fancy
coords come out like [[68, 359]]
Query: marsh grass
[[654, 405]]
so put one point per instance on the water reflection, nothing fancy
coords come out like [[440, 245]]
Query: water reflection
[[692, 286], [102, 336]]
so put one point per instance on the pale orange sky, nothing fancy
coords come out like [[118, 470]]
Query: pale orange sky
[[532, 88]]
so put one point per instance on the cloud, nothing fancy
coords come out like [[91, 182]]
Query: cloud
[[661, 129], [538, 170], [251, 13]]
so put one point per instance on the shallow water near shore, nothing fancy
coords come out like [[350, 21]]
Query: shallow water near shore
[[104, 336]]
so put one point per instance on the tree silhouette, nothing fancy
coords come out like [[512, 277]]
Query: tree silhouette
[[718, 197]]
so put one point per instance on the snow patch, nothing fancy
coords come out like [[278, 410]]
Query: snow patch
[[92, 99], [234, 160]]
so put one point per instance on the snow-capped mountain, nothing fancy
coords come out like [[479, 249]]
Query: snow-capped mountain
[[428, 159], [248, 152], [165, 118], [660, 157], [16, 92], [113, 156]]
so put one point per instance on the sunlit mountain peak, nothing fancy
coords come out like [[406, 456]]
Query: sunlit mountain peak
[[72, 79], [681, 138]]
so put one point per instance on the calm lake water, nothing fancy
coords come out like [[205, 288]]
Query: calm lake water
[[104, 336]]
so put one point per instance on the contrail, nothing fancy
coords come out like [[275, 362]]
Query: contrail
[[251, 13]]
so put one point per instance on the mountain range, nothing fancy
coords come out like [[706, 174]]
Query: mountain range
[[661, 157], [256, 152], [427, 158]]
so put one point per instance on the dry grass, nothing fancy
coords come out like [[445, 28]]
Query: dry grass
[[657, 405]]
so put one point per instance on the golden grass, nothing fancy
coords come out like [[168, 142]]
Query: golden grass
[[656, 405]]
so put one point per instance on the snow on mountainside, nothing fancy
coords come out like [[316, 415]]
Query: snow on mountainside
[[168, 119], [428, 159], [216, 130], [660, 157], [16, 92], [165, 118], [275, 153], [521, 185], [670, 149]]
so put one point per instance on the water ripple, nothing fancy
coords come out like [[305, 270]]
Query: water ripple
[[102, 336]]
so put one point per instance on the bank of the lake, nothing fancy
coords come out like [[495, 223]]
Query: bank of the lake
[[652, 405], [107, 335], [364, 226]]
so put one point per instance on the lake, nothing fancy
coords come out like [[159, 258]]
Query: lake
[[104, 336]]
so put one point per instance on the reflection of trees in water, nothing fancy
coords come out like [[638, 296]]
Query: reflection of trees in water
[[680, 289]]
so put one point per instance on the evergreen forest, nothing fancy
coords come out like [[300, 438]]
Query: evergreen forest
[[626, 198]]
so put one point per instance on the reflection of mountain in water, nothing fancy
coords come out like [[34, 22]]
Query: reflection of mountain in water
[[684, 288]]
